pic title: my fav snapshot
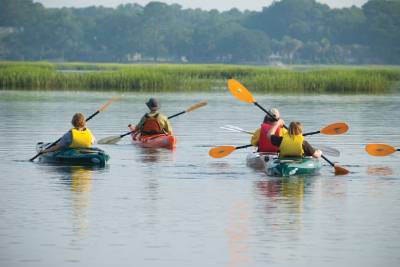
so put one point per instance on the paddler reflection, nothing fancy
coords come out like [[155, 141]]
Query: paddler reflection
[[285, 204], [79, 179]]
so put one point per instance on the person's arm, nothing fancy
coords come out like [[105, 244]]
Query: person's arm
[[275, 125], [64, 142], [168, 127], [255, 137], [52, 149], [136, 127], [310, 151]]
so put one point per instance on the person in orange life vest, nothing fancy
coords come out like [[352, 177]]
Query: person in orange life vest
[[153, 122], [78, 136], [259, 138], [292, 143]]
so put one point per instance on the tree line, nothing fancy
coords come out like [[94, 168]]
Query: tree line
[[287, 31]]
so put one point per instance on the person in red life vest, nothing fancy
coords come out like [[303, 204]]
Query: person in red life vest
[[78, 136], [259, 138], [292, 143], [153, 122]]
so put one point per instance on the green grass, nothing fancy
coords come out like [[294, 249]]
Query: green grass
[[175, 78]]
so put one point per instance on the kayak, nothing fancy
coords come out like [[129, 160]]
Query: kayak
[[287, 166], [258, 160], [293, 166], [74, 156], [155, 141]]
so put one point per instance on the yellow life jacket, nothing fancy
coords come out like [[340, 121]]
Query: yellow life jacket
[[291, 146], [81, 138]]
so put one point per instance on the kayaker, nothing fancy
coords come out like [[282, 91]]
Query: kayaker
[[259, 138], [79, 136], [292, 143], [153, 122]]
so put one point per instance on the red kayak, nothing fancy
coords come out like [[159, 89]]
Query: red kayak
[[155, 141]]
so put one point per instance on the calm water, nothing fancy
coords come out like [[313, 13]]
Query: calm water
[[183, 208]]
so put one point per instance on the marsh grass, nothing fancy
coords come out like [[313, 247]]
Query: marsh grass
[[175, 78]]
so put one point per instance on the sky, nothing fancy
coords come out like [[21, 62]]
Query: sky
[[221, 5]]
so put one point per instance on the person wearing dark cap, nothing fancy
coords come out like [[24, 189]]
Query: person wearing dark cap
[[153, 122]]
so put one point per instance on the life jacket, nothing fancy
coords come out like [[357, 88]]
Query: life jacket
[[81, 138], [264, 143], [151, 126], [291, 146]]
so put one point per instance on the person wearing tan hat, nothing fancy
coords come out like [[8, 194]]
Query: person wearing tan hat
[[153, 122], [259, 138]]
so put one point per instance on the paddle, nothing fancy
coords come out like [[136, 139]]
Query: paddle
[[223, 151], [325, 149], [331, 129], [380, 150], [115, 139], [102, 108], [240, 92]]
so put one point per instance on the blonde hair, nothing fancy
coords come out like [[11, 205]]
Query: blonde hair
[[295, 128], [78, 120]]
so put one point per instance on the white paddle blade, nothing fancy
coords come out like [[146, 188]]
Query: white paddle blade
[[110, 140], [327, 150]]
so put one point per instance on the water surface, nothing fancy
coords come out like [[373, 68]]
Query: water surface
[[183, 208]]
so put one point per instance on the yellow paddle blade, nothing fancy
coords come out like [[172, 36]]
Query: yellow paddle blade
[[110, 140], [108, 103], [196, 106], [335, 129], [240, 92], [221, 151], [379, 150], [340, 170]]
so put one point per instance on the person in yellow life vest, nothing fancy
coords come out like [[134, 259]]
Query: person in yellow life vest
[[78, 136], [259, 138], [153, 122], [292, 143]]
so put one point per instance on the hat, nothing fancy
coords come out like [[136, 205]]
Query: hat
[[274, 112], [152, 104]]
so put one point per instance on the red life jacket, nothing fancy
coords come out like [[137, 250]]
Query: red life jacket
[[151, 126], [264, 144]]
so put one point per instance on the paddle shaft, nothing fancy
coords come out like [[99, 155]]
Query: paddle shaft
[[54, 143], [312, 133], [170, 117], [240, 147], [327, 160]]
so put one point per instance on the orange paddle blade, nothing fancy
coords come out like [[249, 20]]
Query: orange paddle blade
[[196, 106], [221, 151], [340, 170], [108, 103], [240, 92], [335, 128], [379, 150]]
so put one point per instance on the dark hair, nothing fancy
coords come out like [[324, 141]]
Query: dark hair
[[268, 119]]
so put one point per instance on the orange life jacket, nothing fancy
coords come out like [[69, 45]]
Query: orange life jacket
[[151, 126]]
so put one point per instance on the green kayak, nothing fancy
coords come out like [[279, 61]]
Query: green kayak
[[292, 166], [74, 156]]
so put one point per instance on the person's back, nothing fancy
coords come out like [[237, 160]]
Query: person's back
[[78, 137], [260, 139], [153, 122], [292, 143]]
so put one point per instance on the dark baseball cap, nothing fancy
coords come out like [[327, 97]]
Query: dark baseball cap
[[152, 103]]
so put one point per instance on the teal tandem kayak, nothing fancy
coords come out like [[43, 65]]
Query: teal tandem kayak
[[75, 156], [293, 166]]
